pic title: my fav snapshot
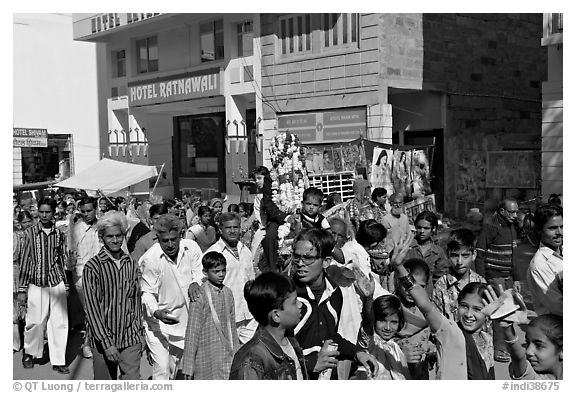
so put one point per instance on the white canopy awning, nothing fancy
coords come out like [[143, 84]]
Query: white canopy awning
[[109, 176]]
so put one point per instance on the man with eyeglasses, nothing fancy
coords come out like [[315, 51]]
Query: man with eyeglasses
[[324, 307], [495, 260]]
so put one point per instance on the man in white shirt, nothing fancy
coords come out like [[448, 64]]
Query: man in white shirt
[[168, 268], [546, 268], [239, 270], [83, 245]]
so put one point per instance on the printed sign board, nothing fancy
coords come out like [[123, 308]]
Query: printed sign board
[[327, 126], [30, 137]]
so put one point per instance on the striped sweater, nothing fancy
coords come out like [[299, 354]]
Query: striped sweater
[[496, 249]]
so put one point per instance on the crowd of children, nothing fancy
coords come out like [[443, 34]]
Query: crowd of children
[[364, 293]]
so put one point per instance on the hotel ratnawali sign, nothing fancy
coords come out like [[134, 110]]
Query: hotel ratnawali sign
[[180, 87]]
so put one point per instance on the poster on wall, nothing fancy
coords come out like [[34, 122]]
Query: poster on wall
[[381, 173], [511, 169], [471, 178], [335, 158], [401, 172], [337, 154], [421, 182]]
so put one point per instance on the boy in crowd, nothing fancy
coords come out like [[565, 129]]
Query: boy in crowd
[[271, 353], [310, 216], [461, 254], [211, 336], [239, 270], [324, 307]]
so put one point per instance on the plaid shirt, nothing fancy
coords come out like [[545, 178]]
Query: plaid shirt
[[205, 356], [42, 258]]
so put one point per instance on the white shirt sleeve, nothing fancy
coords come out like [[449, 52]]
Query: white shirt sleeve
[[197, 274], [544, 287], [149, 282]]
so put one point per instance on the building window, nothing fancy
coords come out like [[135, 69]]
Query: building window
[[245, 36], [212, 40], [339, 29], [147, 55], [119, 63], [295, 33]]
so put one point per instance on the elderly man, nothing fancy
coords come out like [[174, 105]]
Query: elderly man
[[43, 284], [168, 268], [495, 249], [112, 303], [239, 270]]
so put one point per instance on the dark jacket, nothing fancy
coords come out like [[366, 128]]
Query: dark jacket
[[319, 322], [262, 358]]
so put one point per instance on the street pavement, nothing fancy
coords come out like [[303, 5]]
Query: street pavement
[[81, 369]]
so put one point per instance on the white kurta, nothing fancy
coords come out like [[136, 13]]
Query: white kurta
[[165, 285]]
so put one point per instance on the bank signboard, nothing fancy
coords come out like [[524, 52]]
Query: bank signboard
[[326, 126], [30, 137], [180, 87]]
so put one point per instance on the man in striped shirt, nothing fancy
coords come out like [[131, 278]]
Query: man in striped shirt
[[113, 307], [43, 284], [496, 249]]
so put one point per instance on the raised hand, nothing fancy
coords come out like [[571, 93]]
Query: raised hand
[[400, 250]]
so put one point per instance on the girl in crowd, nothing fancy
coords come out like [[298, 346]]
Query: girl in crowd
[[203, 233], [25, 221], [387, 320], [465, 351], [542, 355]]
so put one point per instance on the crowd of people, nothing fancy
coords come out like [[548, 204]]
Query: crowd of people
[[355, 290]]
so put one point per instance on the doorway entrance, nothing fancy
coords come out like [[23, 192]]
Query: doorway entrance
[[199, 152]]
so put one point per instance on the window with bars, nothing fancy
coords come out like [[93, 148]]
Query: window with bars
[[147, 50], [339, 29], [295, 33], [212, 40], [119, 63], [341, 183], [245, 37], [314, 33]]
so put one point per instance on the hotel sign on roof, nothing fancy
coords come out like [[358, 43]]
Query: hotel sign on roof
[[97, 24]]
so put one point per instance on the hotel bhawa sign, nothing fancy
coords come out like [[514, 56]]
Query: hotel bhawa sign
[[175, 88]]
